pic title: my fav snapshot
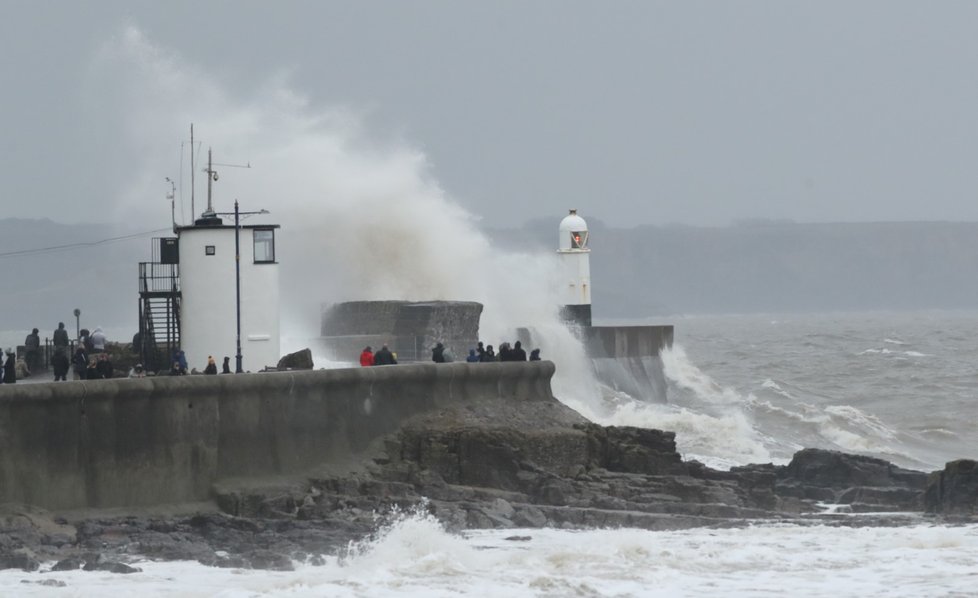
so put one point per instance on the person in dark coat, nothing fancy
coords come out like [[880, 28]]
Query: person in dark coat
[[438, 353], [86, 340], [60, 340], [226, 368], [211, 368], [518, 353], [504, 352], [181, 358], [10, 369], [383, 356], [535, 355], [480, 351], [60, 365], [176, 370], [92, 372], [490, 355], [32, 344], [104, 366], [472, 358], [79, 361]]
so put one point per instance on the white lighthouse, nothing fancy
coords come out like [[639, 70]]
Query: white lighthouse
[[575, 269]]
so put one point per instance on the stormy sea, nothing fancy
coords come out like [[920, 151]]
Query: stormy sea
[[901, 386]]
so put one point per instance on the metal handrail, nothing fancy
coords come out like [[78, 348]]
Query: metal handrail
[[155, 277]]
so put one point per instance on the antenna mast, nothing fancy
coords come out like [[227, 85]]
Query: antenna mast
[[211, 177], [193, 167], [173, 208]]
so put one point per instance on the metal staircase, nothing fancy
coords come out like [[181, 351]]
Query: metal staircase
[[159, 312]]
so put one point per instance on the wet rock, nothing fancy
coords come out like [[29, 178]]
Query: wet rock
[[954, 490], [68, 564], [51, 583], [109, 566], [834, 469], [529, 516], [300, 360], [266, 559], [20, 559]]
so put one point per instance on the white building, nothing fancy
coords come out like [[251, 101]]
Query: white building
[[575, 269], [208, 281]]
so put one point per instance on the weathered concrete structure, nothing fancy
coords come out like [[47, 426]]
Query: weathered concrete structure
[[625, 358], [628, 358], [148, 441], [409, 328]]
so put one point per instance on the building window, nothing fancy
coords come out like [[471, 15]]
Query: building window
[[209, 250], [579, 240], [264, 245]]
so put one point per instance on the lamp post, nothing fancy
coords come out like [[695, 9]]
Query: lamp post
[[237, 284], [238, 369], [77, 323]]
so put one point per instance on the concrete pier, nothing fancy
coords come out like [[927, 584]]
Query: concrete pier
[[135, 442]]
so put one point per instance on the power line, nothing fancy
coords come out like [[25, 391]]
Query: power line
[[57, 248]]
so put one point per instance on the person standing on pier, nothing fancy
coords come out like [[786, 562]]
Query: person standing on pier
[[31, 346], [10, 368], [60, 340], [80, 362]]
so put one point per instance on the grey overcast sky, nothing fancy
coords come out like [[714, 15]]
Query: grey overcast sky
[[695, 112]]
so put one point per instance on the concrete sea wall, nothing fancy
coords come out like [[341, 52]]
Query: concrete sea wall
[[165, 440], [410, 328]]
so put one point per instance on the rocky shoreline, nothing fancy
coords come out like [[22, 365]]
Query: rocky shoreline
[[495, 464]]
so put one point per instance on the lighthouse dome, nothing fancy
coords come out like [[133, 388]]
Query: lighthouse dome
[[572, 233]]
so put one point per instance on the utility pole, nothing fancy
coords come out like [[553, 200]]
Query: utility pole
[[238, 369]]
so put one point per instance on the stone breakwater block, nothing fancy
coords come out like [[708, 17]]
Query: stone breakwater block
[[300, 360], [953, 491]]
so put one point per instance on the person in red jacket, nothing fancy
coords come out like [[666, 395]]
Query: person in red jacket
[[367, 357]]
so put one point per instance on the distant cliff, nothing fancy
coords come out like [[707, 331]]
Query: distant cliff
[[772, 266], [636, 272]]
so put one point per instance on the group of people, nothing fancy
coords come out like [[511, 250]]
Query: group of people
[[442, 354], [485, 353], [180, 365], [88, 361], [383, 356]]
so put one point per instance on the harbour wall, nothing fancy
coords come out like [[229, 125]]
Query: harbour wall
[[140, 442]]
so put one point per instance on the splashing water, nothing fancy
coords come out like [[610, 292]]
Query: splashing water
[[414, 556]]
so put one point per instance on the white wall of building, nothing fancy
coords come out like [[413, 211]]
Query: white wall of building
[[207, 314]]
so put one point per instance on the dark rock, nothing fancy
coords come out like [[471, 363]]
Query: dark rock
[[19, 560], [889, 499], [266, 559], [954, 490], [834, 469], [110, 567], [300, 360], [68, 564], [633, 450], [51, 583]]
